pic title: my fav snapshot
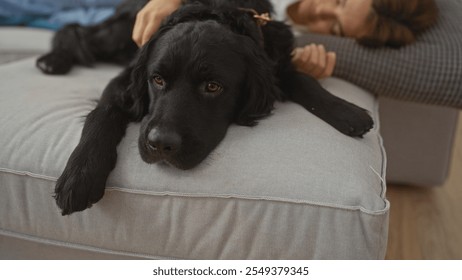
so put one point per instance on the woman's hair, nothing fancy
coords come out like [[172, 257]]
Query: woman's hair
[[396, 23]]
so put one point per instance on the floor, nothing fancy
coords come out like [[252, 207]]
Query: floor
[[427, 223]]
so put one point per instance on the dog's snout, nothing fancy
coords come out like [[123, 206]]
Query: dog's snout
[[164, 142]]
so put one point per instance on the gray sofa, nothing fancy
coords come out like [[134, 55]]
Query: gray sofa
[[290, 188], [418, 139]]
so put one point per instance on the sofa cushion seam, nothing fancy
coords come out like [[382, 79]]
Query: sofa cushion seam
[[223, 196]]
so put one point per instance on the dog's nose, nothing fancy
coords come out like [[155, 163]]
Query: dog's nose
[[164, 142]]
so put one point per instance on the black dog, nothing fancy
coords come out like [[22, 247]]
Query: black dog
[[211, 64]]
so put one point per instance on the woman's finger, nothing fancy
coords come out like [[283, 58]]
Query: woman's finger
[[314, 60], [322, 57], [330, 65], [138, 28], [296, 55], [300, 58], [311, 60], [149, 30], [320, 62]]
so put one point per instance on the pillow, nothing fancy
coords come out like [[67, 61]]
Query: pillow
[[428, 71]]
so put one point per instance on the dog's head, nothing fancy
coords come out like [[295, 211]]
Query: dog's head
[[202, 71]]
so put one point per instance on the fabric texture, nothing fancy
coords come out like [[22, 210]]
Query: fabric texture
[[428, 71], [290, 188]]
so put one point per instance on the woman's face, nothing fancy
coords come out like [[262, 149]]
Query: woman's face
[[337, 17]]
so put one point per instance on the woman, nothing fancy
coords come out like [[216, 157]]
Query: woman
[[372, 23]]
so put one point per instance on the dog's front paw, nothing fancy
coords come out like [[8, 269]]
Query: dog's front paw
[[351, 120], [55, 63], [78, 189]]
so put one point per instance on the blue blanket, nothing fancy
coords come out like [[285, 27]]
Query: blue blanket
[[53, 14]]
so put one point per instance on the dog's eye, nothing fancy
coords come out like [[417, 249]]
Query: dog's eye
[[213, 87], [158, 80]]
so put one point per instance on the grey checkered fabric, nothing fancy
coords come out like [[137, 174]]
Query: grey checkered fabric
[[428, 71]]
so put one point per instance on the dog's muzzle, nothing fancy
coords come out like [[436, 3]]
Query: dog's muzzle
[[163, 143]]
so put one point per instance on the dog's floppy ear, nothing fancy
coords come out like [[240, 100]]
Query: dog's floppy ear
[[137, 98], [260, 88], [137, 92]]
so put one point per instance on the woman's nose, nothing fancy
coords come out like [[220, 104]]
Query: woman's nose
[[326, 11]]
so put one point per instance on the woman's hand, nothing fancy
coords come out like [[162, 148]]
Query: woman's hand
[[314, 61], [150, 17]]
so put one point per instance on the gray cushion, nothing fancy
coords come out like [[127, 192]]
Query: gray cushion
[[19, 42], [22, 39], [428, 71], [292, 187]]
